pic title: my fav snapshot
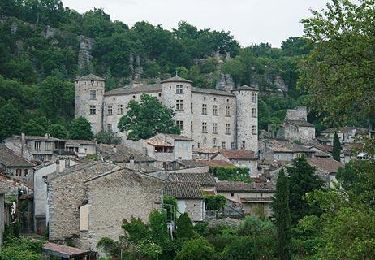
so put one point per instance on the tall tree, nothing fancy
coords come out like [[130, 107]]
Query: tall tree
[[147, 118], [302, 180], [10, 120], [281, 212], [80, 129], [339, 72], [336, 147]]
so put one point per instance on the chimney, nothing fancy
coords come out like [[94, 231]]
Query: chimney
[[22, 143]]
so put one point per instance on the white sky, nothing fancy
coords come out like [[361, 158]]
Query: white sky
[[250, 21]]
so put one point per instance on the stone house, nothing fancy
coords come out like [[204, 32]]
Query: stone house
[[189, 197], [225, 117], [326, 169], [15, 166], [205, 180], [285, 151], [110, 198], [239, 158], [346, 135], [296, 127], [255, 198]]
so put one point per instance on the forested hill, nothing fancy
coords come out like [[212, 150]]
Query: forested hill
[[44, 45]]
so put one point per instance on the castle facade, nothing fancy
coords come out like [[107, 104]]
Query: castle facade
[[225, 118]]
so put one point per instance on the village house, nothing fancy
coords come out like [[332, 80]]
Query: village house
[[239, 158], [225, 117], [296, 127], [15, 166], [281, 150], [346, 135], [326, 169], [255, 198]]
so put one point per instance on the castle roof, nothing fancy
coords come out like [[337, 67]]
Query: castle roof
[[176, 79], [211, 91], [134, 90], [90, 77]]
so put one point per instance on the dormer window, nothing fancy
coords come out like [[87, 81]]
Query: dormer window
[[179, 89]]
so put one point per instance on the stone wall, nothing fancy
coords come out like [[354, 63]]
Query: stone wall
[[117, 196], [194, 207], [299, 113]]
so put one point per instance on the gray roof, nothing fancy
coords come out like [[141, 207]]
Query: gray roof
[[127, 90], [121, 154], [90, 77], [176, 79], [203, 179], [211, 91], [242, 187], [183, 190], [10, 159]]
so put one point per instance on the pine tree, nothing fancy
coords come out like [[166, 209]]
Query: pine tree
[[282, 216], [336, 147]]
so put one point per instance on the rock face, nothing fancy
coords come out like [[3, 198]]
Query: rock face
[[84, 57]]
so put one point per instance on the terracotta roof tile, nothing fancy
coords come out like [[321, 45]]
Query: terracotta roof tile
[[327, 165], [183, 190], [203, 179], [10, 159]]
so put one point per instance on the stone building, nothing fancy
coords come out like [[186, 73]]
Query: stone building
[[211, 117]]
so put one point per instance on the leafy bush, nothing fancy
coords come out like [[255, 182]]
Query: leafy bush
[[21, 249], [231, 173]]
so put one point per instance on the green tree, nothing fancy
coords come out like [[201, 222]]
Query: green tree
[[302, 180], [184, 227], [196, 249], [281, 213], [36, 126], [10, 120], [107, 138], [339, 71], [21, 249], [146, 118], [80, 129], [336, 152], [57, 130]]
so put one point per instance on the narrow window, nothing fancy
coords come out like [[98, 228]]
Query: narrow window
[[92, 110], [214, 141], [204, 127], [37, 145], [204, 109], [110, 110], [227, 129], [179, 105], [254, 130], [254, 112], [223, 145], [243, 145], [233, 145], [179, 89], [93, 94], [120, 110], [214, 128], [214, 110], [180, 124], [254, 97], [227, 110]]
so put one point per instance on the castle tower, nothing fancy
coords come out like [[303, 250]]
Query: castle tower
[[247, 118], [89, 92], [176, 94]]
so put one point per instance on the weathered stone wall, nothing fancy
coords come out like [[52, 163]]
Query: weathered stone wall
[[66, 193], [118, 196], [300, 133], [194, 207], [299, 113]]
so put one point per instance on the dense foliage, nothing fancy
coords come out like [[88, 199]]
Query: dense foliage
[[231, 173]]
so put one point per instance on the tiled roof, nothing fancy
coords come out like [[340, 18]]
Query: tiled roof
[[121, 154], [191, 163], [301, 123], [183, 190], [238, 154], [10, 159], [79, 142], [203, 179], [7, 184], [162, 139], [90, 77], [134, 90], [238, 186], [288, 147], [63, 250], [212, 91], [176, 79], [216, 163], [323, 147], [327, 165]]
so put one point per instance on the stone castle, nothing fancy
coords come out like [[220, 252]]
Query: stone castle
[[225, 118]]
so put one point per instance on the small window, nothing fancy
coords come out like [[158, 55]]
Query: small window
[[199, 145], [254, 112], [120, 110], [93, 94], [48, 146], [25, 172], [134, 96], [204, 109], [204, 127], [179, 89], [254, 130], [179, 105], [214, 128], [214, 142], [227, 110], [110, 110], [92, 110], [232, 194], [214, 110], [159, 94], [18, 172], [243, 145], [214, 99], [227, 129], [223, 145], [37, 145], [233, 145], [180, 124], [254, 97]]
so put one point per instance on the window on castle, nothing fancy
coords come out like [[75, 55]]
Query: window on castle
[[180, 125], [92, 110], [223, 145], [179, 89], [243, 145], [120, 110], [254, 130], [214, 110], [93, 94], [254, 97], [227, 129], [204, 127], [233, 145], [254, 112], [214, 142], [214, 128], [204, 109], [227, 110], [179, 105], [110, 110]]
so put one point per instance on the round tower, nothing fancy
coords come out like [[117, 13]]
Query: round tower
[[89, 93], [176, 94], [247, 118]]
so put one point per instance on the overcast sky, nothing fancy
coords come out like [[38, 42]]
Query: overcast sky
[[250, 21]]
